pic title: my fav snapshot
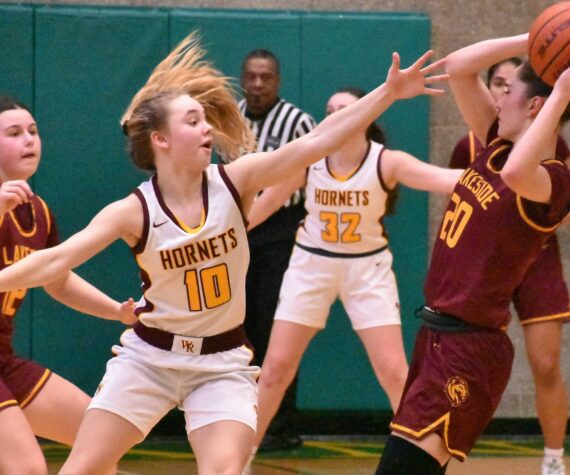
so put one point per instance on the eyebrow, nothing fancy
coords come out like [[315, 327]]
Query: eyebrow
[[191, 111]]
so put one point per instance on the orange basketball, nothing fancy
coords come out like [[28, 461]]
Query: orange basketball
[[549, 42]]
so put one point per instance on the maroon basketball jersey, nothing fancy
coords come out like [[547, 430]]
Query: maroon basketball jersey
[[489, 237], [25, 229]]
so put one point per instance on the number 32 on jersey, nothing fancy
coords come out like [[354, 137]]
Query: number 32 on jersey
[[455, 220]]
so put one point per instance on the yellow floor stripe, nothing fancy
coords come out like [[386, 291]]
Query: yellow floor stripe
[[163, 454], [509, 447], [341, 449]]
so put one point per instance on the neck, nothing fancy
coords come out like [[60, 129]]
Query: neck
[[351, 153]]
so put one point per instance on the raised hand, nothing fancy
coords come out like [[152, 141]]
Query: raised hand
[[14, 193], [414, 81]]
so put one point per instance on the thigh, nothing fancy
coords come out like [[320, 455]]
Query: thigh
[[18, 441], [56, 412], [102, 440], [309, 288], [139, 384], [384, 346], [543, 341], [369, 292], [287, 344], [224, 390], [222, 447]]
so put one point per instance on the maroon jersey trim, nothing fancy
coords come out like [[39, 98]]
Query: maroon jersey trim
[[528, 220], [379, 171], [37, 388], [172, 216], [139, 247], [21, 230], [353, 172], [233, 191], [47, 213], [418, 435], [490, 166]]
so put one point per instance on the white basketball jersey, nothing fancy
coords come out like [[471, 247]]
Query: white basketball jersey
[[344, 214], [193, 280]]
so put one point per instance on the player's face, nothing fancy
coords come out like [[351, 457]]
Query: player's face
[[512, 109], [339, 101], [20, 145], [498, 82], [188, 132], [260, 82]]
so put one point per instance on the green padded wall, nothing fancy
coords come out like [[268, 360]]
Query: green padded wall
[[355, 50], [89, 63], [79, 67], [16, 80]]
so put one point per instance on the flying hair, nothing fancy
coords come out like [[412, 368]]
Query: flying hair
[[184, 69]]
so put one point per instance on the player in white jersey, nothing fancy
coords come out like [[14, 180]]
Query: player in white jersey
[[186, 228], [341, 251]]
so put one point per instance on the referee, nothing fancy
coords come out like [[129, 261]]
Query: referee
[[274, 122]]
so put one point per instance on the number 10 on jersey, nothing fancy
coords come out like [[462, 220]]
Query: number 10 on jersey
[[210, 285]]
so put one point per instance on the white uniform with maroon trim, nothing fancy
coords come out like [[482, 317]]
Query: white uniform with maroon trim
[[341, 250], [193, 282]]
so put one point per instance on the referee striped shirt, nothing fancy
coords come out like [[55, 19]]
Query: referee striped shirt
[[282, 124]]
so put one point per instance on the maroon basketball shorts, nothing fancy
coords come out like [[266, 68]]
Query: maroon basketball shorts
[[20, 381], [454, 385], [543, 296]]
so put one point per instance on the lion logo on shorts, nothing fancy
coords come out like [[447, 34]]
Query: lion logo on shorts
[[456, 390]]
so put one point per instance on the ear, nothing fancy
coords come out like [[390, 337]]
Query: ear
[[158, 139], [534, 105]]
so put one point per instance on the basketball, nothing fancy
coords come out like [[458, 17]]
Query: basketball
[[549, 42]]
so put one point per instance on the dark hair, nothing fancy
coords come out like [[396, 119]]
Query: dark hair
[[515, 61], [376, 134], [150, 115], [536, 87], [373, 132], [8, 104], [263, 54]]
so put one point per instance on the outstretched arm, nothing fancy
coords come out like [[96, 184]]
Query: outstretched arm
[[401, 167], [522, 172], [471, 95], [121, 219], [80, 295], [257, 171], [273, 198]]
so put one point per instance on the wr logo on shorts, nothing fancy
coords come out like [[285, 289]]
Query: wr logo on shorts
[[456, 390]]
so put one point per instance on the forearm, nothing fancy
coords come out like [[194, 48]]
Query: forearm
[[478, 57], [80, 295], [37, 269], [522, 172], [273, 198]]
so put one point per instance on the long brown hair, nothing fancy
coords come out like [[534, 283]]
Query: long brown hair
[[184, 71]]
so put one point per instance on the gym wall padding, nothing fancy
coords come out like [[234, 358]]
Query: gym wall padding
[[79, 67]]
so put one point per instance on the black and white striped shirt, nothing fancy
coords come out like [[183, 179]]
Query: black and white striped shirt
[[282, 124]]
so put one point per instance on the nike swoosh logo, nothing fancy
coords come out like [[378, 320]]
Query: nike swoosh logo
[[154, 225]]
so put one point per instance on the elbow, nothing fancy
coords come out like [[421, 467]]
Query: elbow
[[455, 65]]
